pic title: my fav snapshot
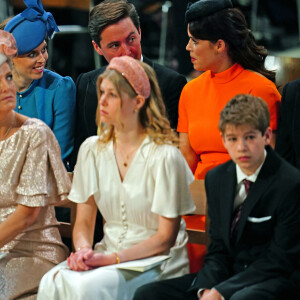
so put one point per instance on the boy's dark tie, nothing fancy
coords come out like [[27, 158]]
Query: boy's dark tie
[[238, 211], [247, 184]]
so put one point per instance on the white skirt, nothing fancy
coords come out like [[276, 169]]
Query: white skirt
[[104, 283]]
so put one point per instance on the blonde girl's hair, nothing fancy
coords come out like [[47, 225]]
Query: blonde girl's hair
[[152, 115]]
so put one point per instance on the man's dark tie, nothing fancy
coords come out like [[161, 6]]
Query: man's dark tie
[[238, 211]]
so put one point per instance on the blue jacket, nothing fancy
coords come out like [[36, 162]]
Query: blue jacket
[[52, 99]]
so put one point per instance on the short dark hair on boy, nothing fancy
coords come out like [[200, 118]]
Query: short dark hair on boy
[[245, 110], [110, 12]]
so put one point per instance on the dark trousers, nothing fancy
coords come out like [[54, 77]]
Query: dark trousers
[[177, 289]]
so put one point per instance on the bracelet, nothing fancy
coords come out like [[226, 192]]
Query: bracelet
[[117, 257], [80, 248]]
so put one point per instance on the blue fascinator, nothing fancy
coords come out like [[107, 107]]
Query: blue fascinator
[[31, 27]]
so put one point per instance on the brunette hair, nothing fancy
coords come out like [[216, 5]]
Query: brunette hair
[[230, 25], [110, 12], [245, 110], [152, 115]]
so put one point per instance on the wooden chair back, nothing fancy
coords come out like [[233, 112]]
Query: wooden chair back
[[66, 228], [197, 236]]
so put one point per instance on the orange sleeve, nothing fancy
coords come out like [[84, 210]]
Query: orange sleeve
[[270, 94], [183, 121]]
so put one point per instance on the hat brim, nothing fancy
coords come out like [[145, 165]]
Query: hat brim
[[27, 34]]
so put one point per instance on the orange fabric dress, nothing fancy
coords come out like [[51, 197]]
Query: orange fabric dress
[[200, 104]]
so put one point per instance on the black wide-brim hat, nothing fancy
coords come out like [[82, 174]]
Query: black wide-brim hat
[[203, 8]]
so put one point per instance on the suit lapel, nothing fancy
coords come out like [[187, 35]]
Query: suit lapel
[[96, 74], [91, 102], [148, 62], [227, 192], [264, 179]]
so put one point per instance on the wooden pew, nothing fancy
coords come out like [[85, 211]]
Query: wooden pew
[[197, 236], [66, 228], [75, 4]]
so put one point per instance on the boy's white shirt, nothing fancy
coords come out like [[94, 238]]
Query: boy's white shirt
[[240, 192]]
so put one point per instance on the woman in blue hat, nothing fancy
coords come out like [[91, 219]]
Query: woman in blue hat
[[41, 93], [32, 179]]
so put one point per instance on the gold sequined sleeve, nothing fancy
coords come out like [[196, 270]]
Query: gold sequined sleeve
[[43, 179]]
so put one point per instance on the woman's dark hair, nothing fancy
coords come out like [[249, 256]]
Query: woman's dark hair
[[230, 25]]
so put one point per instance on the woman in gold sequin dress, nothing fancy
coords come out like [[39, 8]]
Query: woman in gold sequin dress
[[32, 176]]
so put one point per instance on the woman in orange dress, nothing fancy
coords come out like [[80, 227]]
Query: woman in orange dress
[[224, 49]]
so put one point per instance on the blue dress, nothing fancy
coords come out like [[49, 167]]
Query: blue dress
[[52, 99]]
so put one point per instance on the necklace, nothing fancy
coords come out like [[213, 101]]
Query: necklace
[[9, 128], [126, 157]]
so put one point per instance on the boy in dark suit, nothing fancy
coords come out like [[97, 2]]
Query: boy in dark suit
[[254, 209]]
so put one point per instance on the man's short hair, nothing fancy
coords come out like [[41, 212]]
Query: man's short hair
[[245, 110], [110, 12]]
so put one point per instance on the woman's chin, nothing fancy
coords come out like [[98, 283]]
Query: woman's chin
[[106, 120], [37, 74]]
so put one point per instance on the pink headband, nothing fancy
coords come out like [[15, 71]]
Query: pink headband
[[3, 58], [133, 72], [8, 47]]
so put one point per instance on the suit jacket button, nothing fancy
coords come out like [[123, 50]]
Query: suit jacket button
[[245, 266]]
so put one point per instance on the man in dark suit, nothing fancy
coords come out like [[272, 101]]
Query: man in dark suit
[[254, 207], [288, 138], [115, 31]]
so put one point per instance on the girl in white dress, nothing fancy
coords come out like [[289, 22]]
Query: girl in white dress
[[135, 175]]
